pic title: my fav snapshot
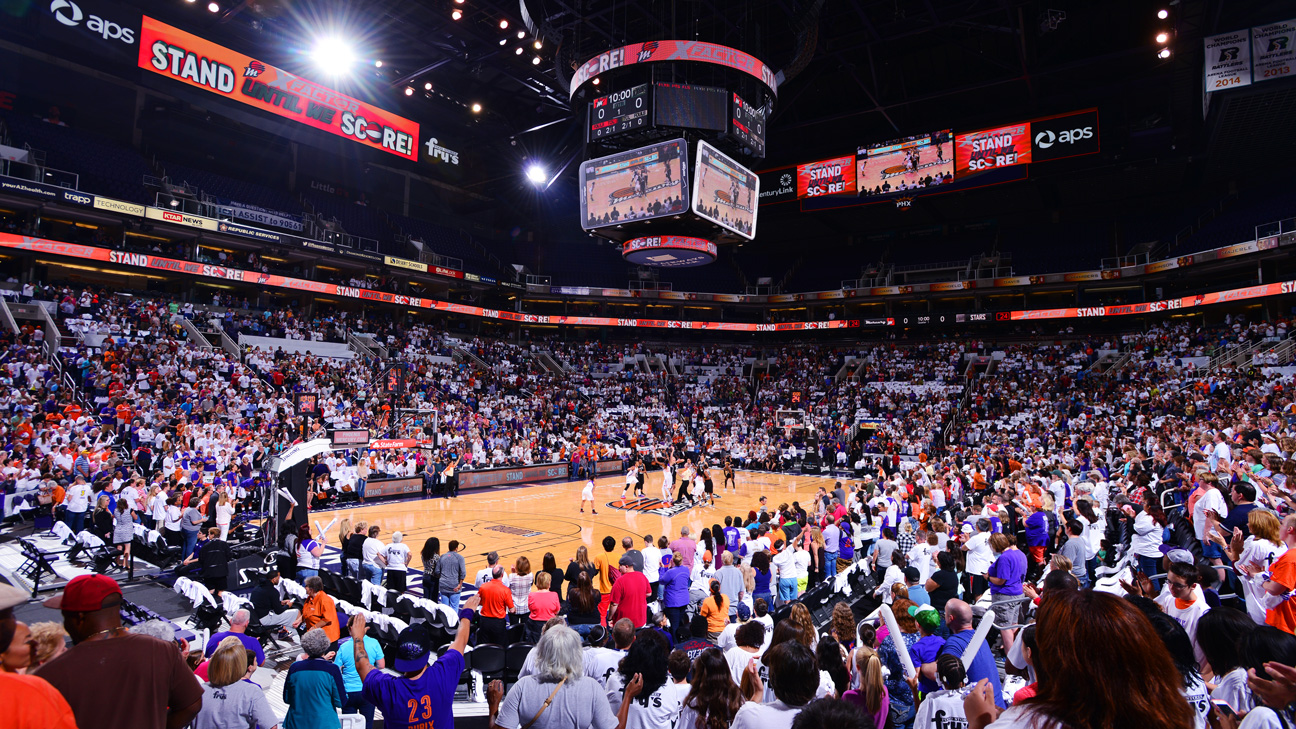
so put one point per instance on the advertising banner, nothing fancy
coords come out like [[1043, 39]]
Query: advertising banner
[[1273, 50], [405, 263], [353, 437], [100, 27], [179, 218], [669, 251], [118, 206], [254, 214], [244, 231], [834, 176], [389, 487], [31, 189], [195, 61], [1228, 60], [512, 476], [1068, 135], [778, 186], [990, 148], [353, 253], [674, 50], [613, 466]]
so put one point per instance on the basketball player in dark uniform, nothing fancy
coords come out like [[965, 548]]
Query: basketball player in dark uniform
[[729, 476], [639, 477]]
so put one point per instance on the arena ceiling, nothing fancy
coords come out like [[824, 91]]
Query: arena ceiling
[[855, 72]]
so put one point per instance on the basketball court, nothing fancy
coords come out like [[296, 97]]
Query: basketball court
[[532, 520]]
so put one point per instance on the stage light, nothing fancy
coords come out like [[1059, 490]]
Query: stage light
[[191, 2], [596, 82], [503, 25], [538, 45], [1163, 13], [1162, 37], [476, 108], [535, 61], [536, 174], [503, 41], [213, 7], [517, 51], [456, 14], [427, 86], [1165, 53], [377, 64], [333, 56], [409, 90]]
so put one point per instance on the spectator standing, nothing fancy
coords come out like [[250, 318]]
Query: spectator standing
[[453, 573], [373, 561], [353, 701], [397, 557], [630, 594], [151, 687], [558, 695], [496, 604], [228, 700], [319, 610], [313, 690]]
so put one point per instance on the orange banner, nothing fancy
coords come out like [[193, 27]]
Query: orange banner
[[186, 58]]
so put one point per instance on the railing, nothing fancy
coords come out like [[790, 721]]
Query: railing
[[195, 334], [39, 173], [1277, 355], [1276, 227], [650, 286], [9, 320], [941, 265], [436, 259], [360, 347], [1123, 261]]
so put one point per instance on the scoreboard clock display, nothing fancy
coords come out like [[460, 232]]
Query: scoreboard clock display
[[749, 125], [619, 112], [690, 107]]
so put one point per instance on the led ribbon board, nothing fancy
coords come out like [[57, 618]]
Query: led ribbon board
[[195, 61]]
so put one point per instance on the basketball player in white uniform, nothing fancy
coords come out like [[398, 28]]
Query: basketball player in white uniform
[[587, 494]]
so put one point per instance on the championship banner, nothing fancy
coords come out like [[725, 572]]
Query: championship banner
[[829, 177], [990, 148], [674, 50], [1273, 50], [179, 218], [186, 58], [1228, 60]]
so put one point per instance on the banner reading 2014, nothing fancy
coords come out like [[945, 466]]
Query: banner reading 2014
[[184, 57]]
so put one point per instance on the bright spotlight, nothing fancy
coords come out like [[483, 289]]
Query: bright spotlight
[[1162, 37], [1165, 53], [535, 61], [538, 45], [377, 64], [521, 34], [536, 174], [409, 90], [596, 82], [1163, 13], [456, 14], [213, 7], [333, 56], [503, 41], [503, 25], [476, 108], [427, 86], [517, 51]]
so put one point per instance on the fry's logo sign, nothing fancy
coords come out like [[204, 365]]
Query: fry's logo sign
[[186, 58]]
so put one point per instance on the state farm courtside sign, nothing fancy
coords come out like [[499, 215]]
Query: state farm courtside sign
[[186, 58]]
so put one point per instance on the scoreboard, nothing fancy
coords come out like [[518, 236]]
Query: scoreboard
[[690, 107], [618, 112], [749, 125]]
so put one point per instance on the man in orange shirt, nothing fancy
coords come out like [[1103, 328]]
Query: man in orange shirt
[[496, 604], [1282, 579], [319, 610]]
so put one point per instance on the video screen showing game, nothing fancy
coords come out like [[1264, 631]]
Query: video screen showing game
[[725, 192], [912, 163], [643, 183]]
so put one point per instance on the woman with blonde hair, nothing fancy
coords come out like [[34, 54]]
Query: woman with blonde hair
[[228, 700], [1256, 552], [871, 697]]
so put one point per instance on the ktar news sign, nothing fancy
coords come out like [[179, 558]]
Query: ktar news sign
[[184, 57]]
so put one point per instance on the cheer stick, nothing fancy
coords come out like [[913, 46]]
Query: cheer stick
[[324, 530], [987, 622], [893, 632]]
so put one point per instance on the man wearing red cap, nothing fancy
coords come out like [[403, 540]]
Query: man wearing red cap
[[151, 687]]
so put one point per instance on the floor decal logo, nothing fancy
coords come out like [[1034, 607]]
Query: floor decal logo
[[652, 506]]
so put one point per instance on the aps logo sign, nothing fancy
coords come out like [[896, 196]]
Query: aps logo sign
[[68, 13]]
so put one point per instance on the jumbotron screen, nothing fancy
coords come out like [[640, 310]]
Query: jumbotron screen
[[912, 163], [648, 182], [725, 192]]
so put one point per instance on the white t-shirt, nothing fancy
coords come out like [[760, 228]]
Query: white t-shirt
[[1198, 697], [941, 709], [1017, 717], [1233, 690], [774, 715], [738, 659], [1262, 553], [652, 557], [601, 664], [1188, 617], [979, 554], [78, 498], [372, 547], [224, 514], [397, 555], [659, 709], [1211, 500]]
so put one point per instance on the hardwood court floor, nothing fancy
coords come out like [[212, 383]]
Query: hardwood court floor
[[532, 520]]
